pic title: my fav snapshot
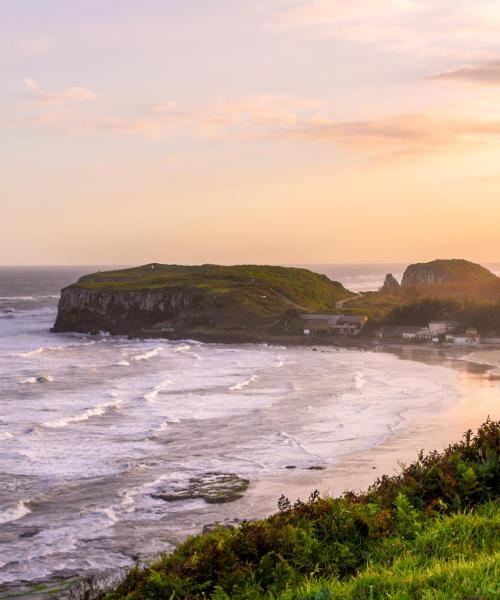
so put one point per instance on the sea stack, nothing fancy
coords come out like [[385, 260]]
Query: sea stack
[[391, 285]]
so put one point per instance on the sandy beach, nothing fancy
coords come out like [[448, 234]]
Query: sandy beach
[[480, 398]]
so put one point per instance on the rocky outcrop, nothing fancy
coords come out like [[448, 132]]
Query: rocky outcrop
[[91, 311], [391, 285], [447, 272], [206, 302], [214, 488]]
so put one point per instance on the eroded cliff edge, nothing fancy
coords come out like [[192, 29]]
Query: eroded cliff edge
[[201, 302]]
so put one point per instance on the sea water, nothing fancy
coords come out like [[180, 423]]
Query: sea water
[[91, 427]]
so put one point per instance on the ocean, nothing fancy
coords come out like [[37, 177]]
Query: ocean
[[93, 428]]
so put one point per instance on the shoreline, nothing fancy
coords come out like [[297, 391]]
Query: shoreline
[[359, 470], [486, 357]]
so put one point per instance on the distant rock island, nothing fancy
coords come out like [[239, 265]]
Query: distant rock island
[[250, 303], [454, 277], [207, 302], [455, 272]]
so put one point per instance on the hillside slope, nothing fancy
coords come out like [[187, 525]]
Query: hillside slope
[[196, 301], [431, 532]]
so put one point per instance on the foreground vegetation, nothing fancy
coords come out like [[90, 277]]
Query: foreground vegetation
[[431, 532]]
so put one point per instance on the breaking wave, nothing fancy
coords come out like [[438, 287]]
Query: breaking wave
[[148, 355], [243, 384], [95, 411], [41, 350], [29, 298], [15, 513], [151, 396]]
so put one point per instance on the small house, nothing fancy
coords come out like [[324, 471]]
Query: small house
[[333, 324], [438, 328], [469, 337]]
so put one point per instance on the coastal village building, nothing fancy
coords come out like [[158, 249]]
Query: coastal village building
[[438, 328], [333, 324], [422, 334], [469, 337], [448, 332]]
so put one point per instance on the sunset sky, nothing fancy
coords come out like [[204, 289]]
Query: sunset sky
[[277, 131]]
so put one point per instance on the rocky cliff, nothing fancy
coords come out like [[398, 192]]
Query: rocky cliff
[[455, 273], [91, 310], [391, 285], [200, 302]]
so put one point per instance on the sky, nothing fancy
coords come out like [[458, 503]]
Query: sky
[[229, 131]]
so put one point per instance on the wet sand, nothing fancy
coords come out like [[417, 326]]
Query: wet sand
[[487, 357], [480, 398]]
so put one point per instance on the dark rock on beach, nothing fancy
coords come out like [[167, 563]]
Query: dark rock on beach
[[214, 488]]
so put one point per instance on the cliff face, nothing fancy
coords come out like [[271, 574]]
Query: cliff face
[[448, 272], [205, 302], [91, 311]]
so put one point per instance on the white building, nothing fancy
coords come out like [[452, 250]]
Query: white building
[[437, 328], [333, 324], [470, 338]]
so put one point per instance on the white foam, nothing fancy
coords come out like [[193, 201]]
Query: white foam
[[148, 355], [15, 513], [6, 435], [127, 499], [151, 396], [243, 384], [359, 380], [95, 411], [122, 363], [30, 298], [41, 351], [161, 428], [182, 348]]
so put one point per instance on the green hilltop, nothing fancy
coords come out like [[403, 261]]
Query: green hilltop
[[263, 289]]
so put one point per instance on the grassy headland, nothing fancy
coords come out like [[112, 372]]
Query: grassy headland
[[262, 289], [431, 532], [207, 302], [260, 303]]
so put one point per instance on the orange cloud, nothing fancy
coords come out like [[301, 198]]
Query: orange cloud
[[242, 118], [400, 135]]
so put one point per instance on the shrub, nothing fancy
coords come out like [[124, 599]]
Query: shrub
[[330, 538]]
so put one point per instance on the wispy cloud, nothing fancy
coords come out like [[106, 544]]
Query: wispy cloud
[[487, 73], [73, 94], [408, 134], [271, 116], [248, 117], [432, 27]]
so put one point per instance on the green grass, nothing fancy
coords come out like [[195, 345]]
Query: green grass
[[455, 556], [431, 532], [265, 290]]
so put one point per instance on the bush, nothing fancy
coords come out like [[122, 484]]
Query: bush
[[332, 540]]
